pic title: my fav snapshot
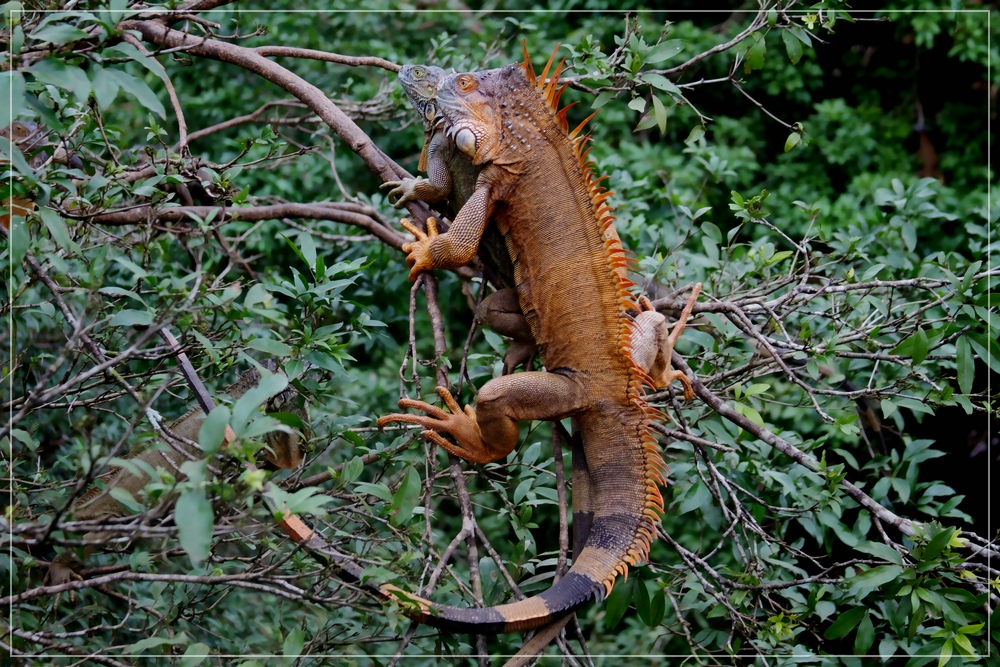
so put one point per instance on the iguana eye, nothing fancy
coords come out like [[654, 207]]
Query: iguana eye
[[466, 83], [419, 72]]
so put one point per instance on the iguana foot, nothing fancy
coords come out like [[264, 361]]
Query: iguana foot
[[675, 333], [418, 256], [458, 423], [403, 191]]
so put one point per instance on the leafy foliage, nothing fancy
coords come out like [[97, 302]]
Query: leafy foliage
[[840, 225]]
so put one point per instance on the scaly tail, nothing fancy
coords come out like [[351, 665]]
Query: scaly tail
[[625, 478]]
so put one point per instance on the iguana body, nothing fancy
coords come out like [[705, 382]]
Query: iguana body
[[286, 451], [452, 177], [569, 269]]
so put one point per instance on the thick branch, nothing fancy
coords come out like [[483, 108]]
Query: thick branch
[[318, 211], [157, 32]]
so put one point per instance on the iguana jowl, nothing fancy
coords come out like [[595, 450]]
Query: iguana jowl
[[536, 182]]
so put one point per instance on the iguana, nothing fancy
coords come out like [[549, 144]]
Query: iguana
[[536, 182], [284, 450], [452, 177]]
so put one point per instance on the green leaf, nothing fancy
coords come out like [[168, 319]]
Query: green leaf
[[660, 113], [105, 86], [617, 604], [845, 623], [127, 500], [946, 652], [640, 598], [915, 347], [874, 577], [970, 274], [872, 271], [792, 45], [792, 141], [661, 82], [936, 545], [138, 89], [195, 522], [602, 98], [59, 33], [212, 433], [664, 51], [195, 654], [697, 132], [352, 470], [56, 226], [909, 233], [153, 642], [131, 318], [755, 54], [56, 73], [308, 247], [380, 491], [131, 52], [406, 497], [18, 239], [269, 385], [292, 647], [919, 346], [12, 82], [309, 500], [637, 104], [644, 124], [802, 35], [657, 607], [883, 551], [272, 347], [866, 635]]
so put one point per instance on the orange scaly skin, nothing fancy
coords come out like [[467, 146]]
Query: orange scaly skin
[[538, 185]]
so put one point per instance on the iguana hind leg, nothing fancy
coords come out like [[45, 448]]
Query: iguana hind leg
[[489, 432], [501, 312], [653, 343]]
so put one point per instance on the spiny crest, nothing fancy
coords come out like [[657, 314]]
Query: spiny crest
[[618, 262]]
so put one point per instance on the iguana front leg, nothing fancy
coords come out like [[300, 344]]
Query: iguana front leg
[[489, 432], [458, 245], [436, 188]]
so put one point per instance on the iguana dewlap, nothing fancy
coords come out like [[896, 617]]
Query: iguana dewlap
[[569, 270]]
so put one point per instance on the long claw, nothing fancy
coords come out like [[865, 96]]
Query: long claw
[[458, 423], [418, 253]]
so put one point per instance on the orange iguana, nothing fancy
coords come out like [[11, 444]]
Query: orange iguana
[[536, 183], [452, 177]]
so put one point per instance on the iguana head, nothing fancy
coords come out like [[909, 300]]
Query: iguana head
[[420, 83], [26, 134], [493, 114]]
